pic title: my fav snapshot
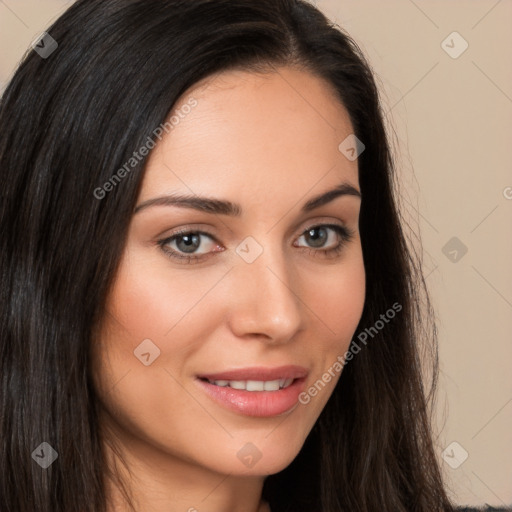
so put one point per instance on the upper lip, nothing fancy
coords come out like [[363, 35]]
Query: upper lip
[[259, 373]]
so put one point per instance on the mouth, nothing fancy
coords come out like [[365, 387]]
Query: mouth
[[261, 392], [252, 385]]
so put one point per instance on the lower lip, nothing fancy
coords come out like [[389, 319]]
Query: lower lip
[[255, 403]]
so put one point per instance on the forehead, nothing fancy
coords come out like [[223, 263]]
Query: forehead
[[273, 132]]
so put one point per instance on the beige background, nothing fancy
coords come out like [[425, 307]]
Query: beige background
[[453, 119]]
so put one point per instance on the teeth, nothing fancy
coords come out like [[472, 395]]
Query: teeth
[[271, 385], [254, 385]]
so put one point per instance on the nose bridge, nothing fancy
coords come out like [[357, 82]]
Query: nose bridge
[[266, 301]]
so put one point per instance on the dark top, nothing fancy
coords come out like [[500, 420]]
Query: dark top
[[487, 508]]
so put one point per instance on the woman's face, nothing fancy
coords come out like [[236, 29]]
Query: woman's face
[[230, 303]]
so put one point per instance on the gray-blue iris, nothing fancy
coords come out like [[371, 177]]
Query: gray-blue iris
[[190, 241], [319, 240]]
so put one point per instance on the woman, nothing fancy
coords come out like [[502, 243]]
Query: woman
[[208, 301]]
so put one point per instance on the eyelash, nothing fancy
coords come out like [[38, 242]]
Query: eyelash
[[345, 234]]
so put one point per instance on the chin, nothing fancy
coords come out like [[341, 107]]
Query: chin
[[263, 455]]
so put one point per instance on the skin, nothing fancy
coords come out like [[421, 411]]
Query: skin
[[268, 142]]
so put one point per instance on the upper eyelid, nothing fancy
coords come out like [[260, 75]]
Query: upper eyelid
[[305, 226]]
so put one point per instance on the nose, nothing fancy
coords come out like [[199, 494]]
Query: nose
[[263, 302]]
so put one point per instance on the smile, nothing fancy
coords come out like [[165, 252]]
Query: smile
[[254, 385], [261, 392]]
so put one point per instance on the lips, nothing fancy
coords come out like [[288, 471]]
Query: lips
[[256, 391]]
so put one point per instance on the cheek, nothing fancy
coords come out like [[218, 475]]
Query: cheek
[[150, 312], [337, 296], [147, 301], [145, 304], [337, 299]]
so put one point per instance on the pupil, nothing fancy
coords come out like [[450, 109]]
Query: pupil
[[319, 239], [189, 243]]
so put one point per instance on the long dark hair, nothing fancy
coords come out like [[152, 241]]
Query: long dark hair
[[68, 122]]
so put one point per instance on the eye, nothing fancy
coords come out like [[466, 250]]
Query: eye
[[193, 246], [189, 245], [326, 239]]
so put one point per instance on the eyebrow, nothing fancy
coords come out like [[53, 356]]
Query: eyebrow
[[222, 207]]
